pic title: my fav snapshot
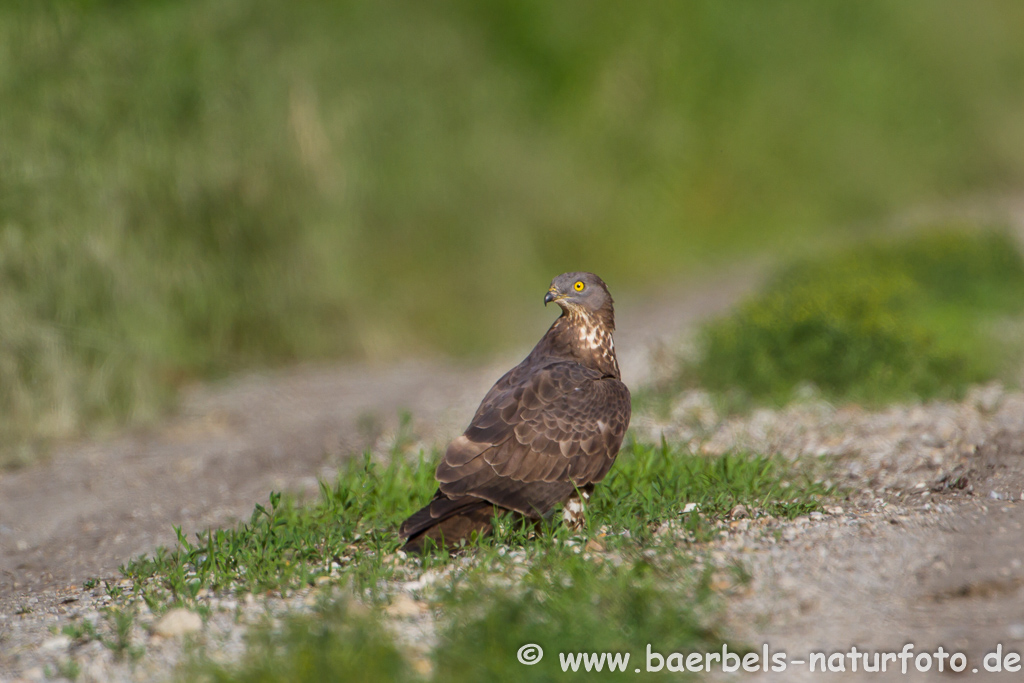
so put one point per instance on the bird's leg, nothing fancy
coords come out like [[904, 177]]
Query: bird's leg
[[574, 513]]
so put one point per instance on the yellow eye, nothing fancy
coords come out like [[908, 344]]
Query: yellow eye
[[579, 286]]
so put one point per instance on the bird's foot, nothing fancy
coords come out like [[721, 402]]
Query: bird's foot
[[574, 513]]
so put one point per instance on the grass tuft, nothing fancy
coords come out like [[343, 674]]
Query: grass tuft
[[339, 643], [286, 546], [351, 532], [637, 574], [567, 603], [912, 318], [653, 484]]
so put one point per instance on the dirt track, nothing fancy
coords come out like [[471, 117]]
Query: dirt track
[[941, 570], [96, 504], [894, 571]]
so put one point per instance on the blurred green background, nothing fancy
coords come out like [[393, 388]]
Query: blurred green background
[[191, 188]]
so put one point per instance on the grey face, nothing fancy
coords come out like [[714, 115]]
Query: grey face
[[584, 290]]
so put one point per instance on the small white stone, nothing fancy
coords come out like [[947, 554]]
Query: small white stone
[[788, 583], [57, 643], [177, 622], [691, 507]]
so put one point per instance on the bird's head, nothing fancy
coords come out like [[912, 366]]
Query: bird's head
[[580, 292]]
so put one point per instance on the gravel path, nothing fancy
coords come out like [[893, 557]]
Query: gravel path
[[96, 504], [927, 549]]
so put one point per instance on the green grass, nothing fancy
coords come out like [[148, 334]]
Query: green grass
[[339, 643], [916, 317], [191, 188], [116, 635], [350, 534], [288, 546], [633, 584], [651, 484], [567, 603]]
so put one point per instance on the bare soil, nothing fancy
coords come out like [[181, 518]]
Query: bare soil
[[939, 570]]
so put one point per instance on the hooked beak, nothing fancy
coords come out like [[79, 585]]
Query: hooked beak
[[549, 297]]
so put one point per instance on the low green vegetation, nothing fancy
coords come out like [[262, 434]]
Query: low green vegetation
[[196, 187], [650, 484], [337, 643], [563, 601], [567, 603], [626, 582], [120, 620], [351, 532], [915, 317], [636, 575], [354, 525]]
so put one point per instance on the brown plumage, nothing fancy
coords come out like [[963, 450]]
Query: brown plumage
[[550, 426]]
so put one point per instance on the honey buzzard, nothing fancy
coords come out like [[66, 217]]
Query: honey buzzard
[[549, 428]]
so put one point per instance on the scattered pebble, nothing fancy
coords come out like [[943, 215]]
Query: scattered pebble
[[56, 644], [177, 622], [404, 607], [900, 462], [885, 450]]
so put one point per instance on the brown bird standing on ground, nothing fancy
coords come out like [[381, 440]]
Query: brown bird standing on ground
[[550, 427]]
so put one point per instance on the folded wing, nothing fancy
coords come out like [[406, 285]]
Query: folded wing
[[536, 436]]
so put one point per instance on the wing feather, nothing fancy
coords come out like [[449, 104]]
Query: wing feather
[[539, 433]]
